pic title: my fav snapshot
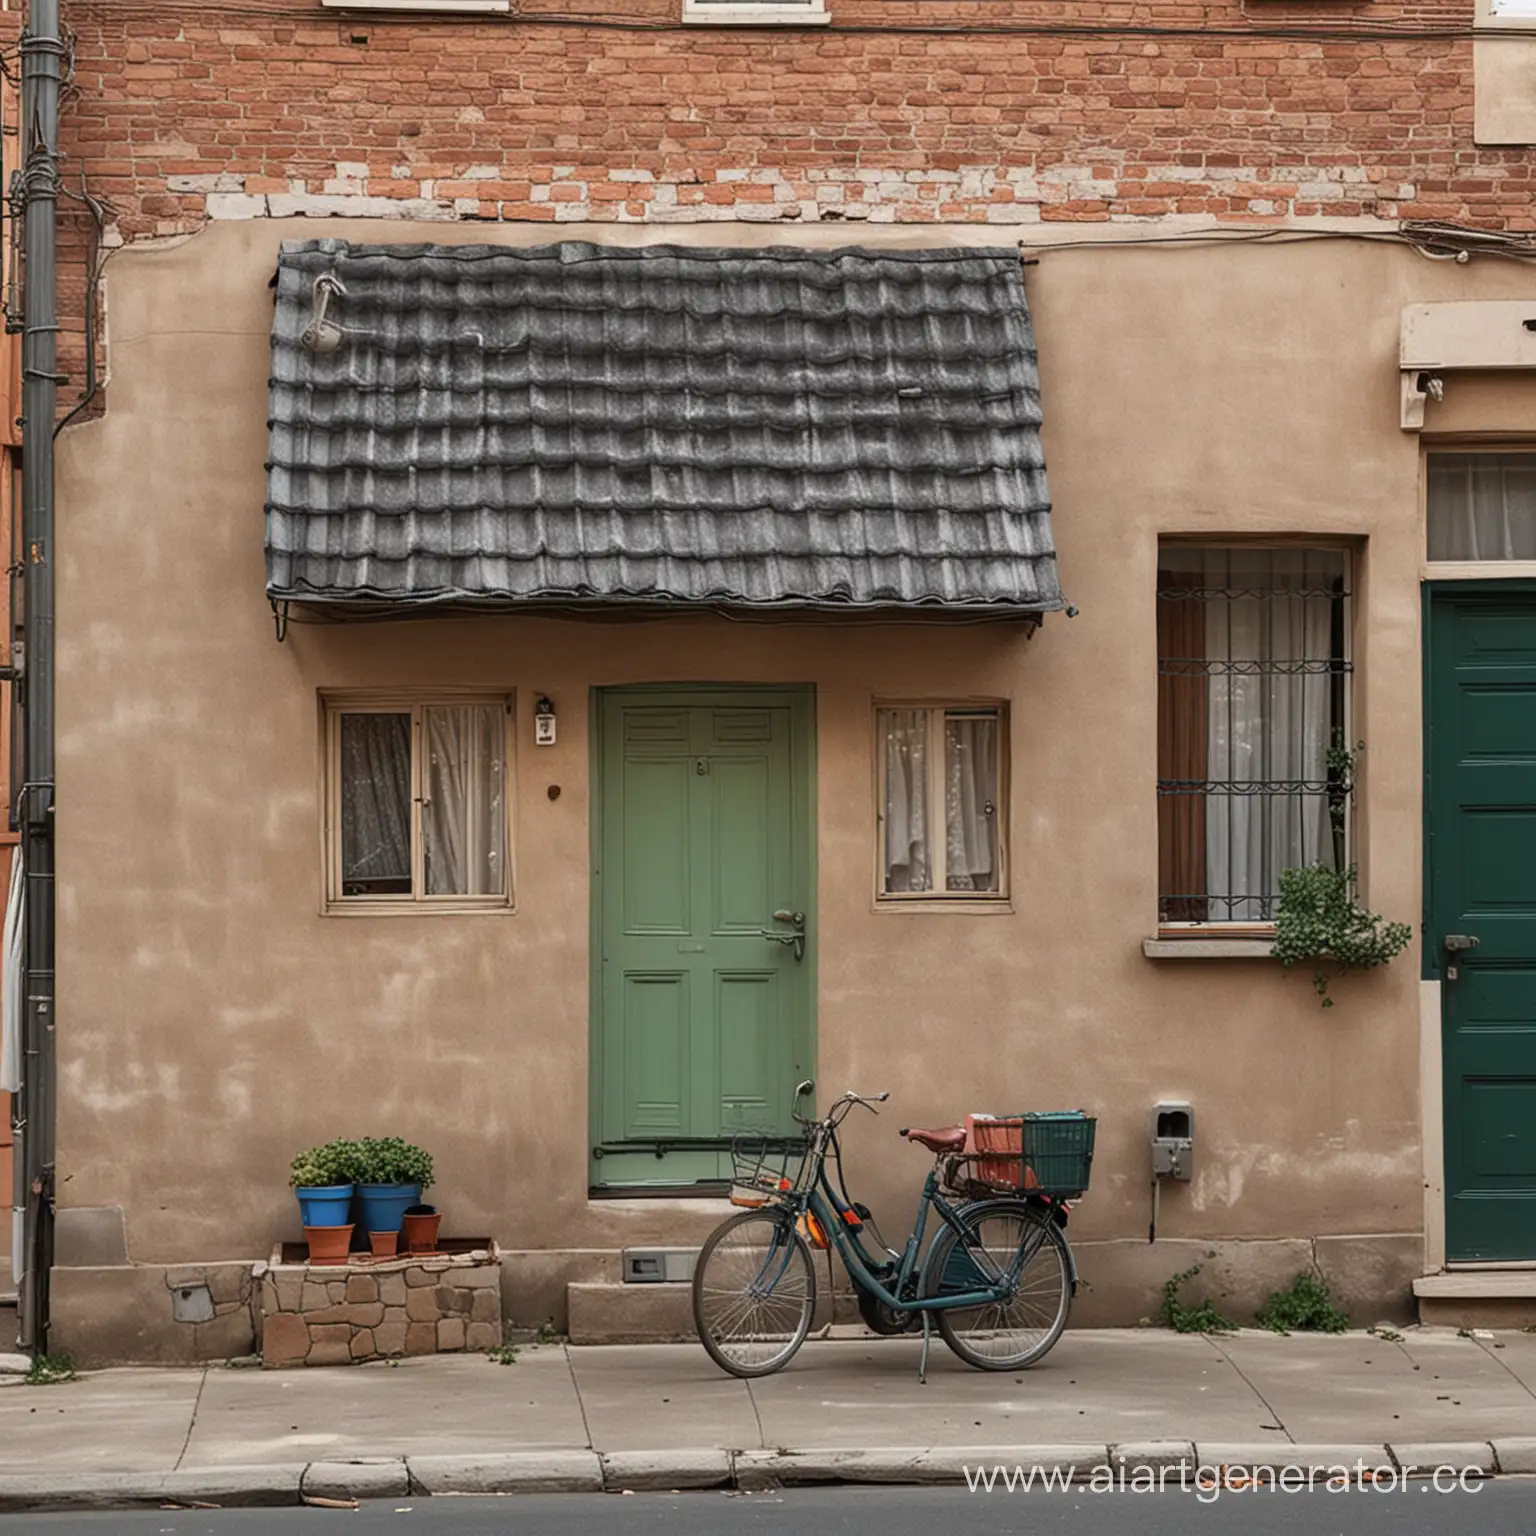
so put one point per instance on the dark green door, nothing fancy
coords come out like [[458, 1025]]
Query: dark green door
[[1482, 885], [703, 833]]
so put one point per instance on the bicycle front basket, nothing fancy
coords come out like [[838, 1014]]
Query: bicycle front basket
[[762, 1169]]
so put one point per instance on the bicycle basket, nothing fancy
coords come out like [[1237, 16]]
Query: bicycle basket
[[1048, 1152], [764, 1169]]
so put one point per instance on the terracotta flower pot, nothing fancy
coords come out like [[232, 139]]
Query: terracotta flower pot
[[421, 1232], [384, 1244], [328, 1245]]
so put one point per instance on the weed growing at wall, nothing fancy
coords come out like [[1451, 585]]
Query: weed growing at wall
[[50, 1371], [1305, 1307], [1203, 1318]]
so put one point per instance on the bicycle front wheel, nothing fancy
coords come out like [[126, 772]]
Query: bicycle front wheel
[[754, 1291], [1004, 1240]]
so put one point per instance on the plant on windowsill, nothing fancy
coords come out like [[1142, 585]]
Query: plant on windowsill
[[1319, 920]]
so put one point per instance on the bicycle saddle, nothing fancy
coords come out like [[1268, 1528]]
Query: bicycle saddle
[[950, 1139]]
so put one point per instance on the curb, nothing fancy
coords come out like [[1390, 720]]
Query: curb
[[585, 1471]]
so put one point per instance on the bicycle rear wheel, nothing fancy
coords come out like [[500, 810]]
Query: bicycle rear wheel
[[754, 1292], [1003, 1238]]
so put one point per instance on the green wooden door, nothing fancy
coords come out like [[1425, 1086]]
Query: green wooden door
[[703, 832], [1481, 842]]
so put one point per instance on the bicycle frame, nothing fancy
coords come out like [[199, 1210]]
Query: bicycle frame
[[819, 1198]]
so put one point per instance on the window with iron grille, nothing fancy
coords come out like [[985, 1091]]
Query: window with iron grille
[[1253, 679]]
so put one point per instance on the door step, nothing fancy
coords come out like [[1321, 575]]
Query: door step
[[629, 1314], [1478, 1298]]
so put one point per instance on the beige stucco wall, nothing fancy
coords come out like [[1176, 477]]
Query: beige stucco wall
[[212, 1021]]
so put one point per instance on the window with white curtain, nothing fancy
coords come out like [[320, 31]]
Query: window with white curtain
[[1482, 506], [417, 801], [941, 772], [1253, 726]]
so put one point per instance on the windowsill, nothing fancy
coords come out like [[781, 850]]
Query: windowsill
[[443, 7], [998, 907], [1478, 570], [443, 908], [755, 15], [1202, 947]]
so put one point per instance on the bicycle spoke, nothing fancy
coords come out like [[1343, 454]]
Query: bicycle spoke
[[754, 1293], [1017, 1251]]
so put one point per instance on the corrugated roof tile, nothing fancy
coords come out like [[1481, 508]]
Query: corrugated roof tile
[[577, 423]]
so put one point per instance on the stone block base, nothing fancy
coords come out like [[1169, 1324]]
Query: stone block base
[[154, 1314], [343, 1314]]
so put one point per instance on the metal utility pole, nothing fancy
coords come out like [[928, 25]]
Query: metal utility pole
[[42, 66]]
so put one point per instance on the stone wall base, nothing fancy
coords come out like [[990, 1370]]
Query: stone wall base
[[155, 1314], [343, 1314], [1370, 1277], [159, 1314]]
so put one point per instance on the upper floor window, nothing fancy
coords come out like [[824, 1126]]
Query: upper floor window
[[941, 788], [747, 13], [1253, 712], [1482, 506], [417, 804]]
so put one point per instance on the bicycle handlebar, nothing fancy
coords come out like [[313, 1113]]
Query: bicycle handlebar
[[845, 1103]]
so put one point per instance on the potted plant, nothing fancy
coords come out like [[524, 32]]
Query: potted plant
[[329, 1245], [421, 1224], [391, 1175], [322, 1180]]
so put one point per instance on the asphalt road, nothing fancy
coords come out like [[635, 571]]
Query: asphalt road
[[1506, 1507]]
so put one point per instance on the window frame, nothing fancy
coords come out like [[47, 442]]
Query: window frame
[[939, 899], [1228, 928], [1467, 570], [334, 705]]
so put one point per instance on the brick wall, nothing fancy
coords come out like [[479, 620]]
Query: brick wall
[[184, 112]]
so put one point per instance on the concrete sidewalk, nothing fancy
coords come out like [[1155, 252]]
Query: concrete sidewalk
[[664, 1416]]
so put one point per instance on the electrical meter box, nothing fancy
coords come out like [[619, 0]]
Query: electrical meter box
[[1172, 1129]]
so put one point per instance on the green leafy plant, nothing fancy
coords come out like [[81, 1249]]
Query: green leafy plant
[[389, 1160], [368, 1160], [50, 1371], [1305, 1307], [1203, 1318], [502, 1354], [329, 1164], [1320, 920]]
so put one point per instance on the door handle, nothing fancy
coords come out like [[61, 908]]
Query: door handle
[[1454, 944], [795, 940]]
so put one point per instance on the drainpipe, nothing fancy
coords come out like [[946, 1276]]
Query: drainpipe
[[42, 56]]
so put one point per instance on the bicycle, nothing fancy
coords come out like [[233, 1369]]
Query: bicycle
[[998, 1277]]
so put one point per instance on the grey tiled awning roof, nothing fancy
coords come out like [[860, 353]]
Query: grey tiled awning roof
[[848, 429]]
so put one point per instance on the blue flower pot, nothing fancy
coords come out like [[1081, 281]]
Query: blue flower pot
[[325, 1205], [382, 1207]]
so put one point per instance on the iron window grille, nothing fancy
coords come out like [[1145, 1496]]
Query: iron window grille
[[1254, 775]]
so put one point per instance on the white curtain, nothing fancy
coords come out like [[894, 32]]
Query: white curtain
[[1482, 506], [463, 829], [1264, 725], [904, 745], [970, 810], [375, 804]]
